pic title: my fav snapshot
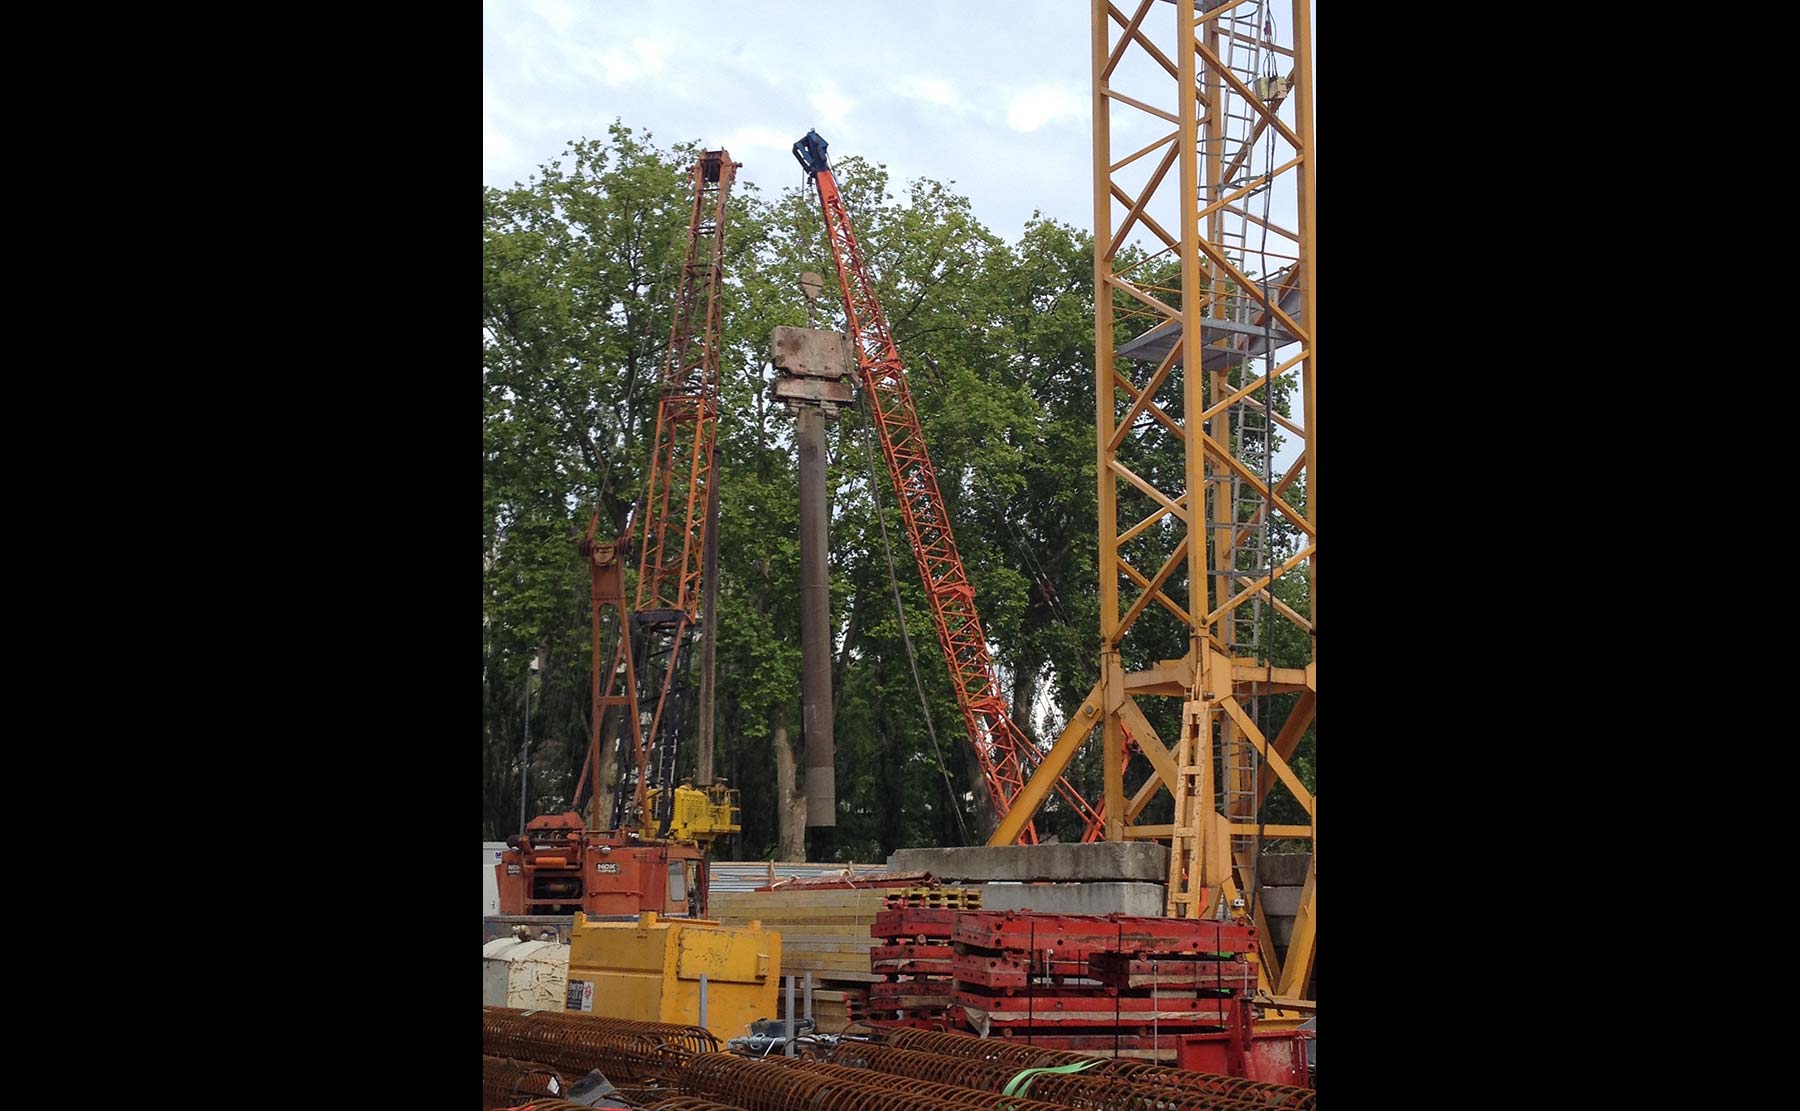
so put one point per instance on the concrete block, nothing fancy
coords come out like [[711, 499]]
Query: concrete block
[[821, 390], [1105, 861], [1281, 902], [1146, 899], [811, 352], [1282, 869]]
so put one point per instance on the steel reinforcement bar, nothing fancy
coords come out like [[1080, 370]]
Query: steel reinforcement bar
[[1255, 1092], [768, 1084], [625, 1052], [507, 1083], [1085, 1090]]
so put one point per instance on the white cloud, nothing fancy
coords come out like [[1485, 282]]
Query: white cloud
[[931, 89], [496, 148], [765, 141], [644, 57], [556, 13], [831, 103], [1045, 104]]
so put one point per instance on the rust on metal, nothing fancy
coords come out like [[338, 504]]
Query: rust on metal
[[507, 1083], [693, 1103], [575, 1044], [778, 1084], [1146, 1076], [1098, 1089]]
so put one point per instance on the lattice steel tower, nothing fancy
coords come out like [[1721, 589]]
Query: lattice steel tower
[[1205, 320]]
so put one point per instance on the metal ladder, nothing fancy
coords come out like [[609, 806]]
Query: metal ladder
[[1242, 35]]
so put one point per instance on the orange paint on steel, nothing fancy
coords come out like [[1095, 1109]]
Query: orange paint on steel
[[1005, 754], [671, 555]]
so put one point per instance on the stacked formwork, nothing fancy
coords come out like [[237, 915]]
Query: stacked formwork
[[914, 958], [829, 928], [1114, 984], [1089, 980]]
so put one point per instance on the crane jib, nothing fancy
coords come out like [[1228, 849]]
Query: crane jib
[[1002, 749]]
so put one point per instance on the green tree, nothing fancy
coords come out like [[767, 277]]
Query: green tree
[[580, 266]]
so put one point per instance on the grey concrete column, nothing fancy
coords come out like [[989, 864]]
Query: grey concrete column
[[815, 620]]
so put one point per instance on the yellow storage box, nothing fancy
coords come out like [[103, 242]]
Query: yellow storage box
[[649, 970]]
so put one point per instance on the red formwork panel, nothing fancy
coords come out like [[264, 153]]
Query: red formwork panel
[[913, 960], [1274, 1056], [1124, 973], [1102, 970], [912, 952], [1122, 1044], [912, 993], [1025, 931], [915, 923], [1079, 1009], [942, 969], [999, 970]]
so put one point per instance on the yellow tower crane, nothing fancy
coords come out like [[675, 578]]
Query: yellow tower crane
[[1205, 316]]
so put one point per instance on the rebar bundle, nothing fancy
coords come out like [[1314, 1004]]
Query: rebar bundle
[[693, 1103], [769, 1085], [507, 1083], [952, 1093], [1095, 1090], [1284, 1096], [625, 1052]]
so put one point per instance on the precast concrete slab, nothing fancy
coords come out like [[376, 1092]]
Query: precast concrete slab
[[1104, 861]]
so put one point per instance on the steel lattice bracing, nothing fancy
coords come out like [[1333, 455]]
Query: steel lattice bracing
[[1204, 186], [614, 683], [674, 518], [1005, 754]]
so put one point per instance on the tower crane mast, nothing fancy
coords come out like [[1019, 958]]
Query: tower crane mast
[[1005, 754]]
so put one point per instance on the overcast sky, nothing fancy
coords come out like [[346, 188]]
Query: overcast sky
[[991, 95]]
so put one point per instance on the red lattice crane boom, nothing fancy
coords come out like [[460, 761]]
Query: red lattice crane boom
[[1005, 754], [674, 525], [675, 494]]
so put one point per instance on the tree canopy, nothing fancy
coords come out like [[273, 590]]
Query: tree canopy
[[580, 265]]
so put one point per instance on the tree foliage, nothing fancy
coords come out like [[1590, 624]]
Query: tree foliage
[[579, 270]]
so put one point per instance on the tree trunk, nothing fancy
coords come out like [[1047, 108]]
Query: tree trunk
[[1024, 695], [985, 819], [790, 802], [888, 771]]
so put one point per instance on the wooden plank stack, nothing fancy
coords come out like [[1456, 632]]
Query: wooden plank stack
[[826, 930]]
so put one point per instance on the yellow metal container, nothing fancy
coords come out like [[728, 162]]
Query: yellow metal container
[[650, 970]]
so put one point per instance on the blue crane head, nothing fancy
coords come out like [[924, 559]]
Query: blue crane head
[[810, 152]]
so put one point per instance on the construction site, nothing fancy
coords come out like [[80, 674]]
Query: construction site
[[772, 859]]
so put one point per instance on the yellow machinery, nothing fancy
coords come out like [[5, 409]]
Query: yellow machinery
[[650, 970], [698, 815]]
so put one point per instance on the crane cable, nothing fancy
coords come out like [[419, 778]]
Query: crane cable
[[905, 637]]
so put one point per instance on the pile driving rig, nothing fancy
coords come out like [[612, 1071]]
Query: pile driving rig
[[652, 856]]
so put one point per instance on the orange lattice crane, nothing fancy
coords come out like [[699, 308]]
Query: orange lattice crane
[[652, 855], [1005, 754]]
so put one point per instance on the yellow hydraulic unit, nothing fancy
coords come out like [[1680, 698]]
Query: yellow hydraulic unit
[[650, 970], [698, 815]]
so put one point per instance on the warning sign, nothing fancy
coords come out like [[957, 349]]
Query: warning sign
[[606, 866], [581, 996]]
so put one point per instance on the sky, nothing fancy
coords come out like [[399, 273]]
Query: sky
[[963, 92]]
